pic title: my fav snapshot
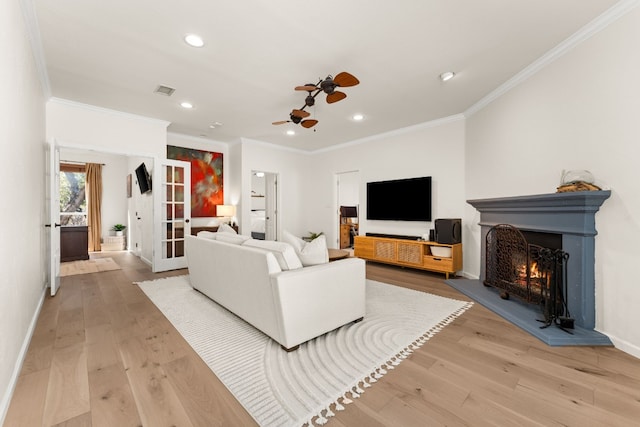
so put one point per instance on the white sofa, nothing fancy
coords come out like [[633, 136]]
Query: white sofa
[[268, 287]]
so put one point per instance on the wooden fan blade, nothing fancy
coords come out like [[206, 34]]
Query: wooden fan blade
[[345, 79], [281, 122], [309, 123], [335, 97], [300, 113], [308, 88]]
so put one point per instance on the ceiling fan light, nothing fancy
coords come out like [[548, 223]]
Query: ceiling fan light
[[328, 86], [447, 75], [309, 101]]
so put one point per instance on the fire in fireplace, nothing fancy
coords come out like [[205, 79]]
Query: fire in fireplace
[[533, 273]]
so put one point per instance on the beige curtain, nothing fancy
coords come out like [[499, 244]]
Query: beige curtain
[[93, 187]]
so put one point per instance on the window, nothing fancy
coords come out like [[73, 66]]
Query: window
[[73, 201]]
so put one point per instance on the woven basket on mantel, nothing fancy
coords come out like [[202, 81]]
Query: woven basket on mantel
[[577, 186]]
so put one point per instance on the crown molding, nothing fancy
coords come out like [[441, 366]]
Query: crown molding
[[33, 34], [395, 132], [611, 15], [103, 110]]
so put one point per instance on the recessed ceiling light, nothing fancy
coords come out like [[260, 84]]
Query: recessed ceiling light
[[186, 105], [291, 132], [358, 117], [194, 40], [447, 75]]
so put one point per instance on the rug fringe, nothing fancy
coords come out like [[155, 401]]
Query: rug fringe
[[163, 279]]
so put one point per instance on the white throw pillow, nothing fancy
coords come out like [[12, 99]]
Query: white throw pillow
[[207, 235], [284, 252], [226, 228], [310, 253], [236, 239]]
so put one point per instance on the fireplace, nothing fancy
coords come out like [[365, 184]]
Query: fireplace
[[534, 273], [571, 217]]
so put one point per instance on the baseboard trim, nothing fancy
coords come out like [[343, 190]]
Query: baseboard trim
[[146, 261], [8, 393], [624, 345]]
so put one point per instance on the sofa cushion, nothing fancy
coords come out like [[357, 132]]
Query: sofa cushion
[[284, 252], [236, 239], [207, 234], [310, 253], [226, 228]]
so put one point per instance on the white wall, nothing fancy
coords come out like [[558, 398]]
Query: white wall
[[22, 253], [114, 175], [140, 212], [93, 128], [579, 112], [291, 167], [433, 149]]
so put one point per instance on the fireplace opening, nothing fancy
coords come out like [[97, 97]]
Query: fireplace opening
[[532, 267]]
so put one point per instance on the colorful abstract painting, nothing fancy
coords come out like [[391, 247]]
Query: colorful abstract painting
[[206, 179]]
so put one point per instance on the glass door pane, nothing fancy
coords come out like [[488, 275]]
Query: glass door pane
[[173, 209]]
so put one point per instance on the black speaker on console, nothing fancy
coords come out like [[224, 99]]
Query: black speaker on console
[[448, 230]]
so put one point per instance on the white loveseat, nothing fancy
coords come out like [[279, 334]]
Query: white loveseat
[[268, 287]]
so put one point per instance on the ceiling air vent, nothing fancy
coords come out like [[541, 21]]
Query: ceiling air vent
[[164, 90]]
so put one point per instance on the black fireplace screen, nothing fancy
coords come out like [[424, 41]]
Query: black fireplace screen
[[533, 273]]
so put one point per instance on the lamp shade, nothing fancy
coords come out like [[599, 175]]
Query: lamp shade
[[225, 210]]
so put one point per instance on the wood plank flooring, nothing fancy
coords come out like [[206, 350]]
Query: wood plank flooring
[[103, 355]]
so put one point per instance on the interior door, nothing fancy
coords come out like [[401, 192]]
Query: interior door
[[171, 212], [271, 206], [52, 192]]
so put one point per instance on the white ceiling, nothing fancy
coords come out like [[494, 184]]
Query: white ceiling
[[113, 54]]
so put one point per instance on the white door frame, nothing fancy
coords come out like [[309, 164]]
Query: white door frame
[[271, 206], [53, 210]]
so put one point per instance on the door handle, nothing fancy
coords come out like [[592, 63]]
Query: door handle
[[49, 225]]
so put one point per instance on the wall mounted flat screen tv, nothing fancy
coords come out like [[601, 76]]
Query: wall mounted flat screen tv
[[144, 179], [400, 199]]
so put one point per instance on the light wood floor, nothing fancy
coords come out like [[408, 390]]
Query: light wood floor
[[103, 355]]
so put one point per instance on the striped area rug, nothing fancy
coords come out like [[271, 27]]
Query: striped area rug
[[306, 386]]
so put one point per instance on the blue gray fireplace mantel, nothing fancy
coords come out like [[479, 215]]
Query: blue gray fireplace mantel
[[570, 214]]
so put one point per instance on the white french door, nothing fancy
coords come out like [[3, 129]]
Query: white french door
[[52, 191], [171, 212]]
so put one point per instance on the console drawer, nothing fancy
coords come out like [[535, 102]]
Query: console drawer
[[438, 264]]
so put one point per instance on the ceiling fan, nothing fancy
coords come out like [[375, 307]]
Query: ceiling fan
[[297, 117], [327, 85]]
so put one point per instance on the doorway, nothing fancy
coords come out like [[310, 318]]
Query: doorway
[[264, 205], [348, 207]]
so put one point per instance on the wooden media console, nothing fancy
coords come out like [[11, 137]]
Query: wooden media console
[[420, 254]]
